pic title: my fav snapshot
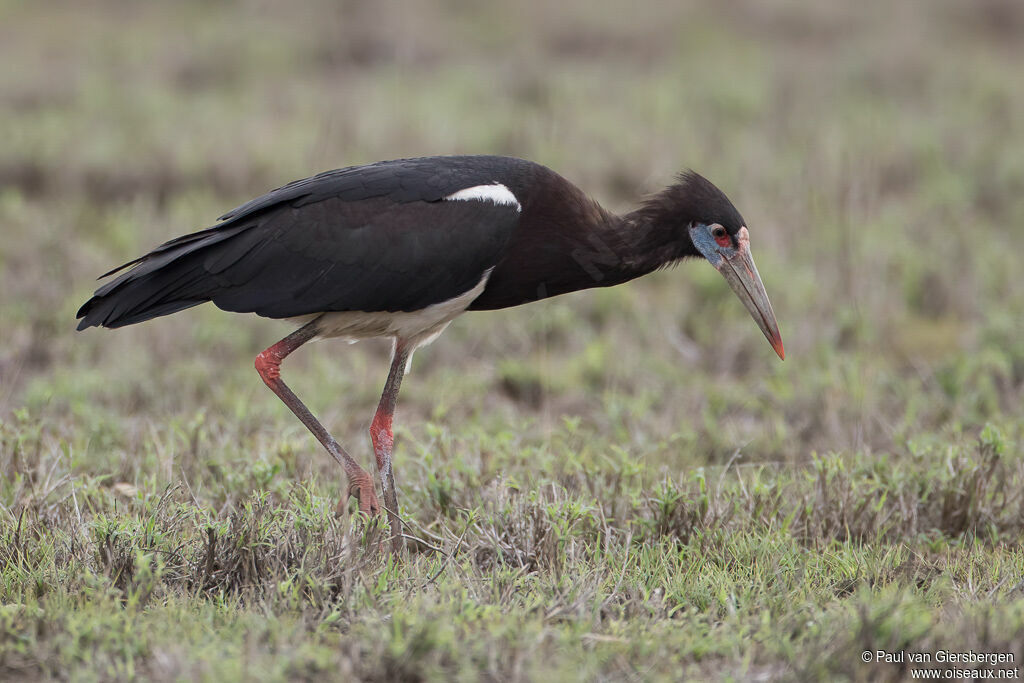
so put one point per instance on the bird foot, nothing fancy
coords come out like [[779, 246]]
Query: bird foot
[[361, 488]]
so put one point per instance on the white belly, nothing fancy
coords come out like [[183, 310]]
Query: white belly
[[412, 328]]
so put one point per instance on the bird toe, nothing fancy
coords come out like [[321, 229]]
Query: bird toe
[[362, 490]]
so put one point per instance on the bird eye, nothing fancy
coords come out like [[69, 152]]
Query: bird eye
[[721, 236]]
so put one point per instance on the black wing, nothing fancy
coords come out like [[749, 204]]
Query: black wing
[[370, 238]]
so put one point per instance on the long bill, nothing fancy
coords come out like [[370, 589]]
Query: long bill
[[740, 272]]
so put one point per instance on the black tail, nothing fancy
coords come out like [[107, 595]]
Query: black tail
[[168, 279]]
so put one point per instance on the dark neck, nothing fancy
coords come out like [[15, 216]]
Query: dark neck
[[620, 248], [650, 241], [567, 242]]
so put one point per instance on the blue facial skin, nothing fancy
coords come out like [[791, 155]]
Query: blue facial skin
[[706, 244]]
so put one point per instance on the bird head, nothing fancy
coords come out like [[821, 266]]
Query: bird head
[[718, 232]]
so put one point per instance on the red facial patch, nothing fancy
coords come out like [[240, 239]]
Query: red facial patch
[[724, 240]]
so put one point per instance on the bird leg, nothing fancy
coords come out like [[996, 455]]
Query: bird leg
[[383, 440], [268, 364]]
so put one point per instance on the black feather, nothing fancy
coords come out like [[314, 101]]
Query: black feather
[[368, 238], [380, 238]]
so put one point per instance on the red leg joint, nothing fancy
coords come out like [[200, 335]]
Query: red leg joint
[[268, 364], [382, 437]]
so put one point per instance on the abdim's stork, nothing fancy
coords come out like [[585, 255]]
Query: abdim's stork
[[400, 248]]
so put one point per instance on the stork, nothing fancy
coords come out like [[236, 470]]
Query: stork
[[400, 248]]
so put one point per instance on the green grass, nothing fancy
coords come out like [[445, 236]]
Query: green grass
[[619, 484]]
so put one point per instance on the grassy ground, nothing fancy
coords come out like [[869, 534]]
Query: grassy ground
[[614, 485]]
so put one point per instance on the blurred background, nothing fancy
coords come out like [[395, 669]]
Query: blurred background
[[876, 150], [624, 483]]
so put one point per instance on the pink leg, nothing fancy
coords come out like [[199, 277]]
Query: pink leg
[[268, 364], [383, 440]]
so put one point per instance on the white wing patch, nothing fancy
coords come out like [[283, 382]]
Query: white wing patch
[[497, 193]]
